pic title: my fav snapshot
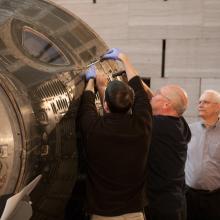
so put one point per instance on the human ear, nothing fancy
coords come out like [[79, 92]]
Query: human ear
[[106, 108]]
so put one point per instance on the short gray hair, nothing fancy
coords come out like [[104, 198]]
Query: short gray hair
[[215, 94]]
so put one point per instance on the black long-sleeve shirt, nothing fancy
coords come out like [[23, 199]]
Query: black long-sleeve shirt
[[166, 163], [116, 152]]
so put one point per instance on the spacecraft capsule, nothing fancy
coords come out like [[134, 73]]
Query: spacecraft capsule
[[44, 51]]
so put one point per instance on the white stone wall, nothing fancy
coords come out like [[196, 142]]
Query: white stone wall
[[191, 29]]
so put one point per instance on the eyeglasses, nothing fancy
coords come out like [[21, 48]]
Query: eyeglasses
[[158, 92], [171, 100], [205, 102]]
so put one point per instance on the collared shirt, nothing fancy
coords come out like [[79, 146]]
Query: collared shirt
[[203, 157]]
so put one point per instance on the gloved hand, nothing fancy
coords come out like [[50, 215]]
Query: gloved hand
[[112, 54], [91, 73]]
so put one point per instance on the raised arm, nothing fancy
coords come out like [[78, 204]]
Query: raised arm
[[142, 91], [116, 54], [101, 84], [88, 111]]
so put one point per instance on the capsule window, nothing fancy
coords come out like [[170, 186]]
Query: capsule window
[[40, 47]]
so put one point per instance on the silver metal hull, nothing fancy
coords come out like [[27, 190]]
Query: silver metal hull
[[44, 50]]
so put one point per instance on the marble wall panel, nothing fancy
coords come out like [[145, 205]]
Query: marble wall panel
[[108, 18], [164, 32], [172, 12], [173, 19], [211, 13], [71, 2], [210, 84], [211, 19], [193, 58], [145, 55]]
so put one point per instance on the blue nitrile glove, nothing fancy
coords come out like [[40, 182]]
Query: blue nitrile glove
[[91, 73], [112, 54]]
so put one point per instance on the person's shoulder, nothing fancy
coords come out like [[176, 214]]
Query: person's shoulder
[[162, 125], [196, 127], [135, 82], [161, 121], [196, 124], [218, 124], [163, 118], [168, 122], [134, 79]]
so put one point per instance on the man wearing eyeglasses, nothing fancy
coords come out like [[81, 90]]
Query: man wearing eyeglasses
[[203, 161], [167, 155]]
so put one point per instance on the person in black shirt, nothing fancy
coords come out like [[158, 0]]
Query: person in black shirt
[[167, 155], [116, 143]]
